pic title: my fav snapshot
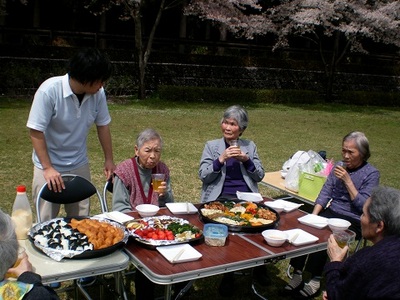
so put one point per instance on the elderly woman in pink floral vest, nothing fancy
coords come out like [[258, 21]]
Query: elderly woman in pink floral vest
[[132, 180], [132, 186]]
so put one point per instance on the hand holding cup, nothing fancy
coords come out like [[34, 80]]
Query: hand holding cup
[[159, 185], [20, 266]]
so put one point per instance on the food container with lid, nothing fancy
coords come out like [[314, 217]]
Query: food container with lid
[[215, 234]]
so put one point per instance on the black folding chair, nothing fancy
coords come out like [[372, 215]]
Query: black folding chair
[[108, 188], [76, 189]]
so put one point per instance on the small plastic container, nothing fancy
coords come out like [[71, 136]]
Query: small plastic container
[[215, 234]]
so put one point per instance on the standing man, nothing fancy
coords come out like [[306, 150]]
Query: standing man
[[63, 110]]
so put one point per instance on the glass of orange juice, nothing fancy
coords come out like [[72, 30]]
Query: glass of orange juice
[[156, 179], [21, 253]]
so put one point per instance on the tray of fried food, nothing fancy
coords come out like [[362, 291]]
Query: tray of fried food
[[78, 238]]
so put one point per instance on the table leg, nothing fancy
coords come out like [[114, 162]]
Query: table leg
[[168, 292]]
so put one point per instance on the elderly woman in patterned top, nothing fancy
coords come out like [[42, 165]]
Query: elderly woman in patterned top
[[132, 177]]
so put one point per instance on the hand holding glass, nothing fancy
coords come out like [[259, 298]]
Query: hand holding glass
[[344, 238], [234, 143], [157, 179], [21, 254]]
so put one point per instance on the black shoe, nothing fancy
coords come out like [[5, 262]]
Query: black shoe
[[260, 276], [227, 287]]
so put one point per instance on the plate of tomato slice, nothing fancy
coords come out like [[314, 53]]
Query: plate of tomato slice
[[163, 231]]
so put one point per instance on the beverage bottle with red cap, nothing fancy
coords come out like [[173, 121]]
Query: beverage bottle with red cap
[[22, 213]]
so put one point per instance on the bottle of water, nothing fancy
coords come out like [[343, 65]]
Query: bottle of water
[[22, 213], [316, 164]]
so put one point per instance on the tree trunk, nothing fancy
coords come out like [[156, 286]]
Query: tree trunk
[[330, 69], [139, 55], [143, 52], [183, 30], [222, 37]]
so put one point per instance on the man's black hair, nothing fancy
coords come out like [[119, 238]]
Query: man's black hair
[[90, 65]]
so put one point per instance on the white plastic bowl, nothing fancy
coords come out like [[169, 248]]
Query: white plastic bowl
[[274, 237], [336, 224], [277, 205], [147, 210]]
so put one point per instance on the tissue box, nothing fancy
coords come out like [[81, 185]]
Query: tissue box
[[215, 234], [310, 185]]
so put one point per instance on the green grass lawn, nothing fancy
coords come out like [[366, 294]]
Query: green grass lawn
[[277, 130]]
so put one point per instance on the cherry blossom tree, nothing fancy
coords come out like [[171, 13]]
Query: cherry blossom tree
[[333, 26]]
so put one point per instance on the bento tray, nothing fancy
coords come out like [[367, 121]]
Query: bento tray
[[164, 220], [72, 254], [240, 228]]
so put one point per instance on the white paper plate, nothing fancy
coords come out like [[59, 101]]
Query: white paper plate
[[116, 216], [179, 253], [287, 205], [303, 237], [181, 208], [314, 221], [252, 197]]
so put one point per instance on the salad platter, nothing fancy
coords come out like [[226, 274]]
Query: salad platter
[[239, 216], [164, 230]]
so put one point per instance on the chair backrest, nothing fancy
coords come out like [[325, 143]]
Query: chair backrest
[[76, 189], [108, 188]]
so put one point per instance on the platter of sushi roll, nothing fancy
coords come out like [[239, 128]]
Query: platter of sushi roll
[[78, 238]]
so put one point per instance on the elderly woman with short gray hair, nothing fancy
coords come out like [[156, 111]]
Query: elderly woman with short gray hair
[[132, 180], [373, 272], [230, 164], [28, 285], [133, 186], [347, 188]]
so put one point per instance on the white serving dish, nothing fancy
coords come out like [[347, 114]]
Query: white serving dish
[[147, 210], [181, 208], [281, 205], [276, 205], [179, 253], [116, 216], [336, 224], [314, 221], [274, 237], [252, 197], [299, 237]]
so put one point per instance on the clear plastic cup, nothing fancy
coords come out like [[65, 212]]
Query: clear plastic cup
[[234, 143], [156, 179], [345, 237]]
